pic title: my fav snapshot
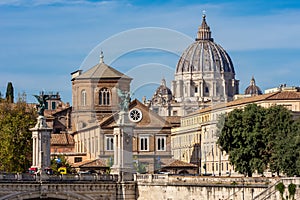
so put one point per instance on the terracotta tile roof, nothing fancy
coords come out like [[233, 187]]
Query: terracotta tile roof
[[286, 95], [102, 70], [173, 119], [62, 139], [179, 164], [282, 95], [90, 163]]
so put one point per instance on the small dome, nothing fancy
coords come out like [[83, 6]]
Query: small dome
[[204, 55], [253, 89], [162, 93]]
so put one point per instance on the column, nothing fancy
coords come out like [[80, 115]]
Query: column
[[119, 148], [201, 88], [115, 148], [34, 152]]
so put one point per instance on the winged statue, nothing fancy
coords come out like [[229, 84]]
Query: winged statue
[[125, 99], [42, 103]]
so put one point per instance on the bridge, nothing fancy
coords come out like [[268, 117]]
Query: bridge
[[14, 186]]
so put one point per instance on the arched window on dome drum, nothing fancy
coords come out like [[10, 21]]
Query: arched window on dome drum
[[83, 98], [104, 96]]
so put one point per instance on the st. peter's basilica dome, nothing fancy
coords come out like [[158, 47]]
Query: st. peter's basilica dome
[[204, 72], [204, 55]]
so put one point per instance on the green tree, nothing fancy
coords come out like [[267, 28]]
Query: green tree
[[15, 136], [297, 144], [292, 191], [10, 92], [258, 138], [280, 131], [280, 187], [241, 137]]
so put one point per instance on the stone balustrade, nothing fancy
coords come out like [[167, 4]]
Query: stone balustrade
[[194, 179], [12, 177], [145, 186]]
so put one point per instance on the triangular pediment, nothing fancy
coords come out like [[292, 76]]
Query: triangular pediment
[[149, 118]]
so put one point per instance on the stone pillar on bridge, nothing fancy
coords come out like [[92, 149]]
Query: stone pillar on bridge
[[41, 135], [123, 161], [123, 132]]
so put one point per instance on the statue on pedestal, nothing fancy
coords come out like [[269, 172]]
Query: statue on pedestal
[[123, 132], [41, 135], [125, 99], [42, 103]]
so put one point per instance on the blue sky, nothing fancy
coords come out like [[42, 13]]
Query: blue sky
[[43, 41]]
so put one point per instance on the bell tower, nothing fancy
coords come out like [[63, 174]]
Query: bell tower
[[94, 93]]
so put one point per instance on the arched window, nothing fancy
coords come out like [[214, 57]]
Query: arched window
[[206, 90], [83, 98], [104, 96]]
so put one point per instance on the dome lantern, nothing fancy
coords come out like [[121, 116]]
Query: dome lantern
[[204, 32]]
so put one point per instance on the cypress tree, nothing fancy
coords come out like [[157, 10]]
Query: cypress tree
[[10, 93]]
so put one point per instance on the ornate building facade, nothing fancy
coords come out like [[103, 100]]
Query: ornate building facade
[[195, 140]]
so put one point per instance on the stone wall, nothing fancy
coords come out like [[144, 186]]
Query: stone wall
[[164, 187]]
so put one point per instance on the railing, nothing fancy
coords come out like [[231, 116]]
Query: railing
[[19, 177], [266, 194], [151, 178], [195, 179]]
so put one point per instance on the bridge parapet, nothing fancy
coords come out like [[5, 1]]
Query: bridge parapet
[[21, 177], [75, 190], [194, 179]]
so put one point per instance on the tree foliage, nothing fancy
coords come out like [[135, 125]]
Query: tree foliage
[[280, 187], [10, 92], [258, 138], [15, 136]]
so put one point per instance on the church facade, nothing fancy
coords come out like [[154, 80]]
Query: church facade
[[95, 113]]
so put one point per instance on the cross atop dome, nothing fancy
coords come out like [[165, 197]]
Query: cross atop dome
[[163, 82]]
